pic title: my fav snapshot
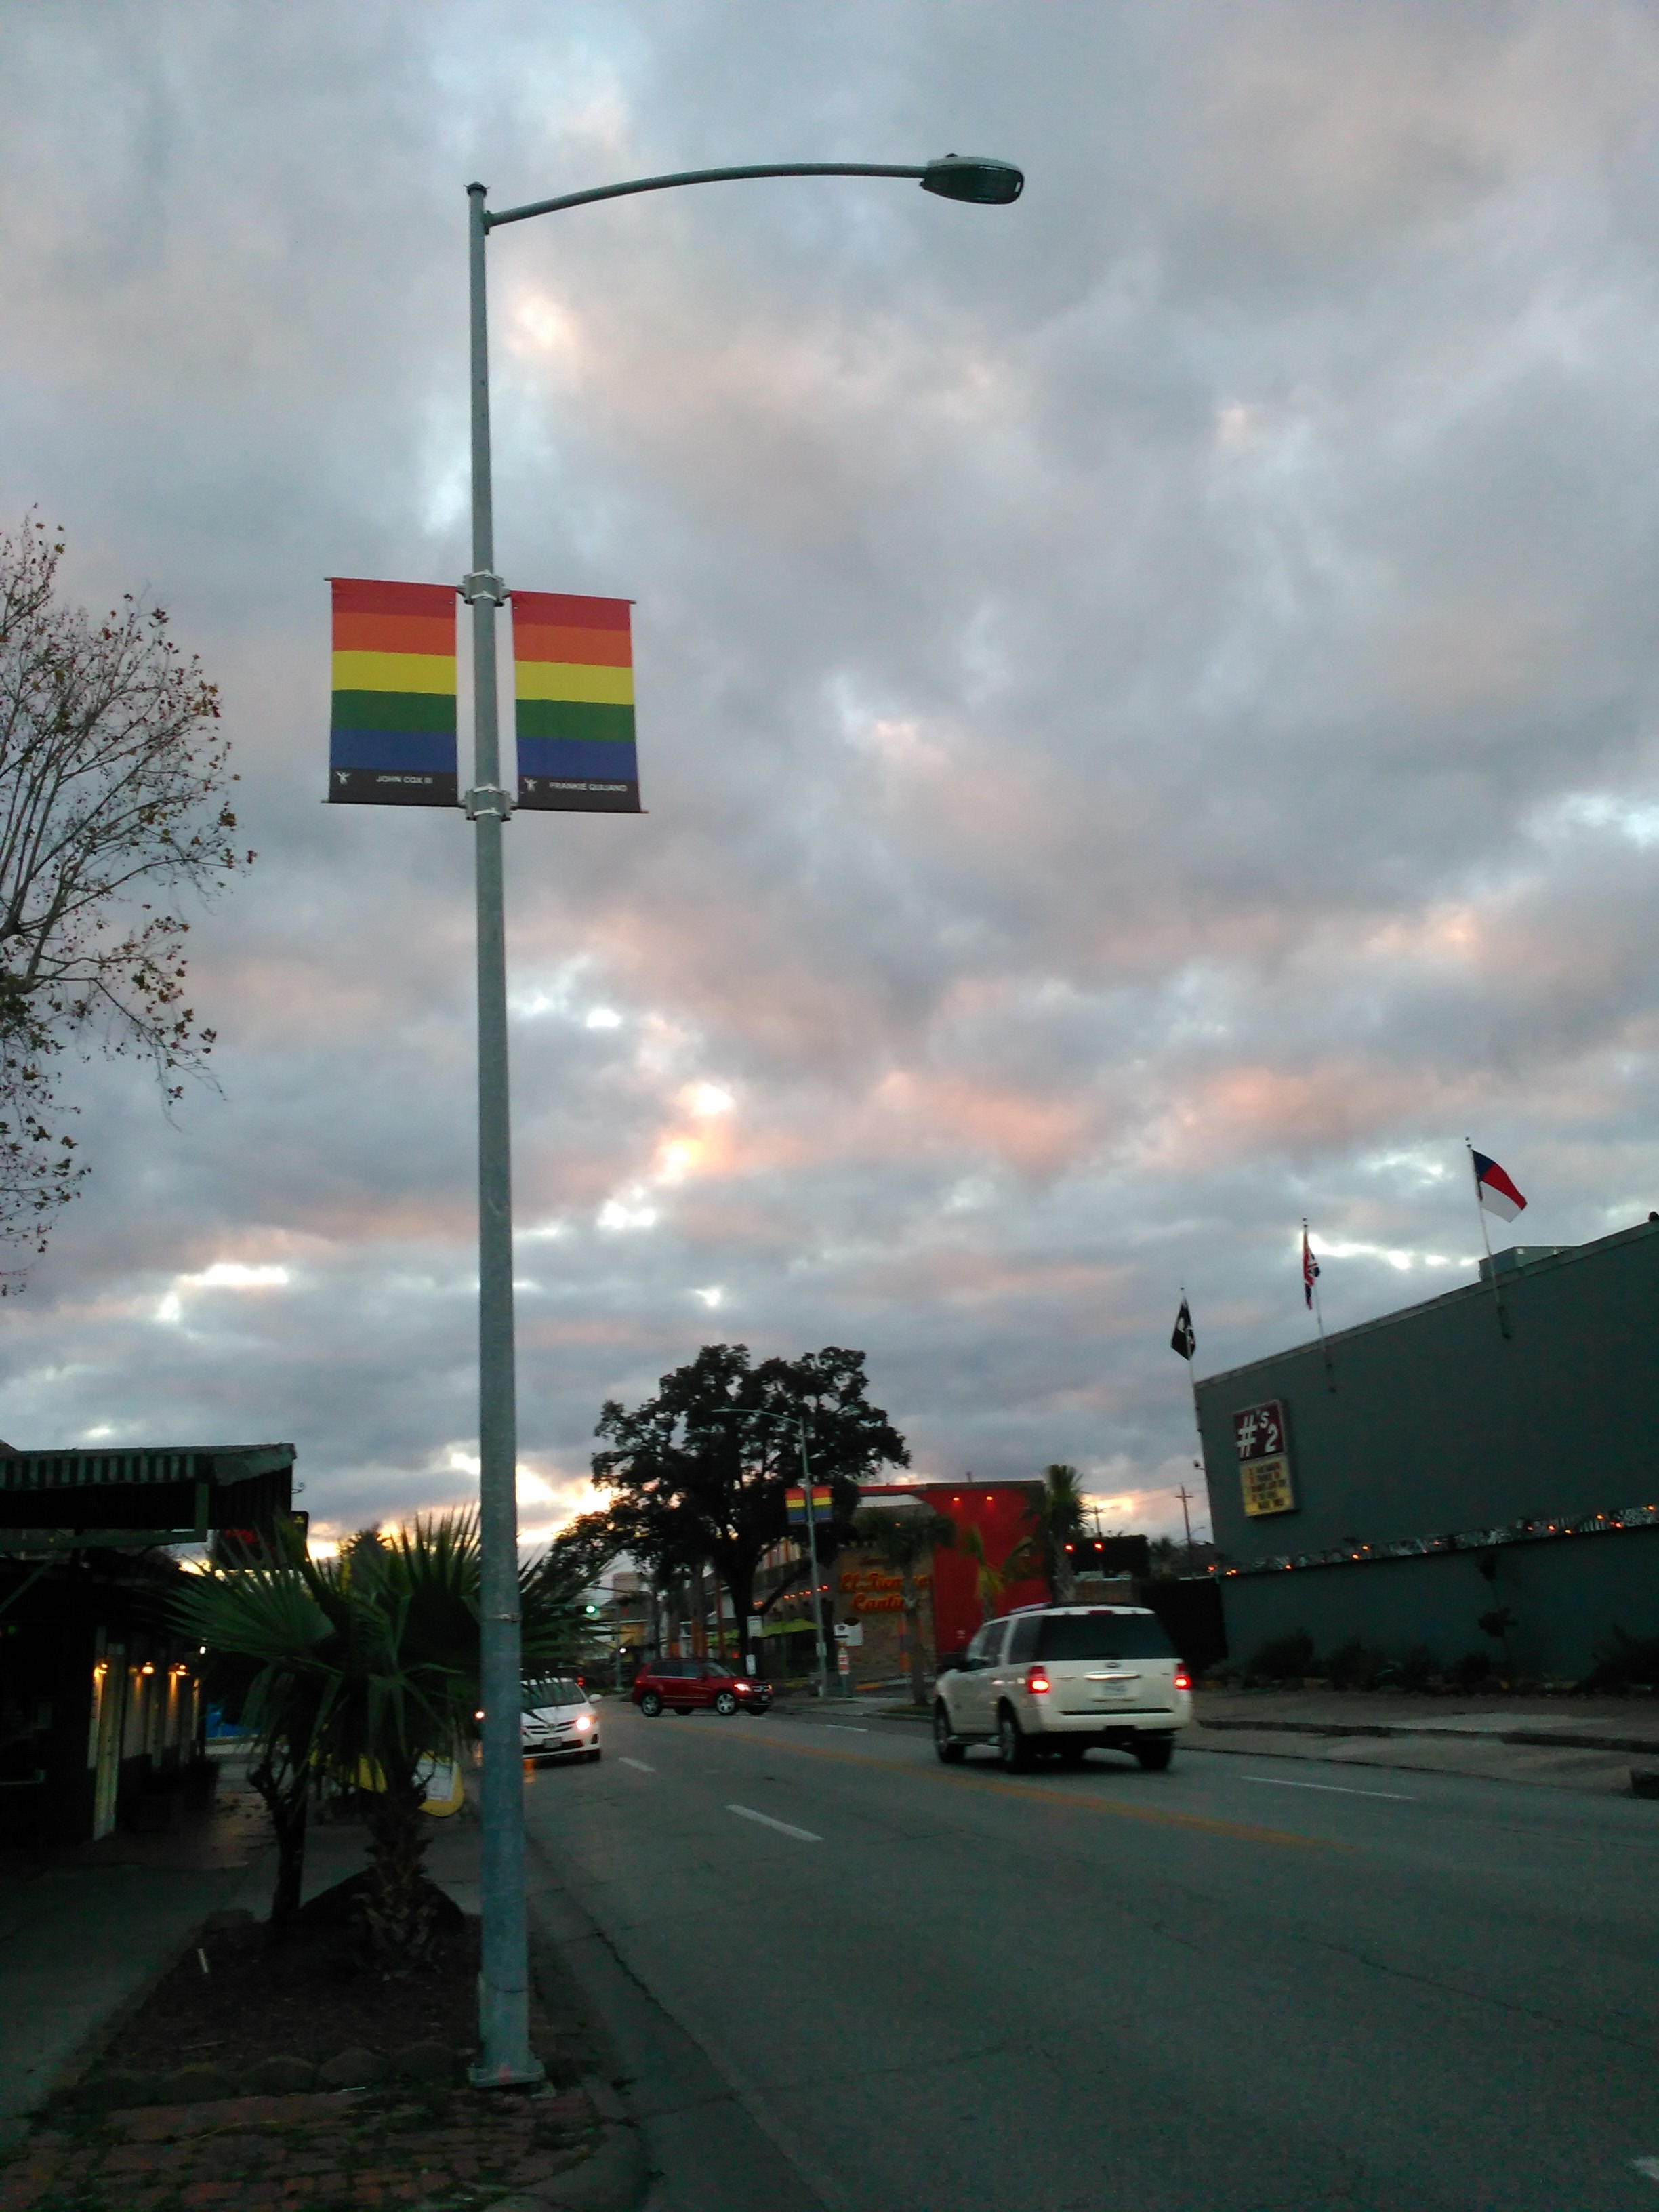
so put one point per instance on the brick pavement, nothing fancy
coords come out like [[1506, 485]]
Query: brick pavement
[[449, 2150]]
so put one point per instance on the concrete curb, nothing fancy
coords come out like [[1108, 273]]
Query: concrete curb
[[613, 2180], [1539, 1739]]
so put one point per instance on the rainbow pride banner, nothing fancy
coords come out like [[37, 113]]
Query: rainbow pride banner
[[795, 1503], [573, 686], [392, 741]]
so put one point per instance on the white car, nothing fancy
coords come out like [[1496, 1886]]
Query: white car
[[1058, 1680], [559, 1721]]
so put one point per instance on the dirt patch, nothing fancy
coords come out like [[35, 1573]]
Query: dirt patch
[[235, 2002], [239, 2016]]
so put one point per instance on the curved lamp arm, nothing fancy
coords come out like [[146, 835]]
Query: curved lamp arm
[[955, 177]]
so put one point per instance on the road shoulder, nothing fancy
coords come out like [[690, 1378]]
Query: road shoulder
[[705, 2149]]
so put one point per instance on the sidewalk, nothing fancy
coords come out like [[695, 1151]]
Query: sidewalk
[[384, 2130], [1561, 1743], [84, 1932]]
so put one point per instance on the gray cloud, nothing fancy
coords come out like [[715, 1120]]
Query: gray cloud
[[1147, 706]]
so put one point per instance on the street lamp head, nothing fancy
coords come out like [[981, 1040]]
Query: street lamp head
[[974, 177]]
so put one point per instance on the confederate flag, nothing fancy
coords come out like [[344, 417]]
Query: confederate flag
[[1309, 1269]]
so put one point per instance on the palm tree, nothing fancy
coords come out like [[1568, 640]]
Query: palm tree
[[1057, 1511], [904, 1538], [365, 1666]]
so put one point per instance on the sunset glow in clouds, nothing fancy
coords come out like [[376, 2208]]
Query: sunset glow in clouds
[[1146, 699]]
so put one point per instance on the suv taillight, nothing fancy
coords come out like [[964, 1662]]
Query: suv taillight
[[1037, 1682], [1183, 1681]]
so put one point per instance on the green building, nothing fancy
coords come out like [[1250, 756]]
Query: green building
[[1494, 1450]]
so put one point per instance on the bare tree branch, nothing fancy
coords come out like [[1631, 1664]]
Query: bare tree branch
[[113, 806]]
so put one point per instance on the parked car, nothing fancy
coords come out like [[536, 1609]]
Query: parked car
[[691, 1685], [1057, 1682], [560, 1721]]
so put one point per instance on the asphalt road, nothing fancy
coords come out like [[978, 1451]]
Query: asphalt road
[[1243, 1984]]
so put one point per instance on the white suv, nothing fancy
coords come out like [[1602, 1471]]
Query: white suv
[[1059, 1680]]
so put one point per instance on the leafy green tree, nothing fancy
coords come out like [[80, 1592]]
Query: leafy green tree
[[699, 1472], [1057, 1519], [905, 1538], [112, 804], [363, 1668]]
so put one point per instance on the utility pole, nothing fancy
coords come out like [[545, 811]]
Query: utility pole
[[1185, 1495]]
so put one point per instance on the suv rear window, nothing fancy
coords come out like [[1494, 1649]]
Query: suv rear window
[[1103, 1636]]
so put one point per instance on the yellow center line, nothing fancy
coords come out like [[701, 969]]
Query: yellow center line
[[1201, 1823]]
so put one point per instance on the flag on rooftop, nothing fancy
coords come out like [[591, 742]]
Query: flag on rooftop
[[391, 740], [1494, 1190], [1309, 1269], [1184, 1340], [573, 685]]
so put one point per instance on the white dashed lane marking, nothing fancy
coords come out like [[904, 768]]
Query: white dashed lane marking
[[1328, 1789], [843, 1727], [638, 1765], [800, 1835], [1648, 2165]]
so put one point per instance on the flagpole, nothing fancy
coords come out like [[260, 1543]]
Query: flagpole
[[1191, 1358], [1491, 1272], [1319, 1311]]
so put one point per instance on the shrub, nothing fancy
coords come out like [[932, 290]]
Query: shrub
[[1474, 1668], [1282, 1658], [1350, 1666], [1625, 1659], [1358, 1666]]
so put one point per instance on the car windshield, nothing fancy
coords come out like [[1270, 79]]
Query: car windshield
[[1104, 1636], [558, 1690]]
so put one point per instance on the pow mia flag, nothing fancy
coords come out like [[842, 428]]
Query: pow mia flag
[[1184, 1340]]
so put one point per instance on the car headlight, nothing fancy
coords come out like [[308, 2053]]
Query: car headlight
[[583, 1721]]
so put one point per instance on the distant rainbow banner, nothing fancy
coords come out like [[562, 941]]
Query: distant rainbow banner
[[573, 668], [392, 738]]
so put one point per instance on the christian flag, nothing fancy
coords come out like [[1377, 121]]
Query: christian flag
[[1494, 1190], [795, 1500], [573, 683], [392, 741]]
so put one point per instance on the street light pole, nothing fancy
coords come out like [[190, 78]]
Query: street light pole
[[812, 1554], [505, 2058]]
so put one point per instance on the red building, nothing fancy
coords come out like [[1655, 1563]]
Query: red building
[[1002, 1512]]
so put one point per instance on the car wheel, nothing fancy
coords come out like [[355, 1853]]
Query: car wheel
[[727, 1702], [948, 1750], [1013, 1741], [650, 1705], [594, 1754], [1155, 1752], [1071, 1754]]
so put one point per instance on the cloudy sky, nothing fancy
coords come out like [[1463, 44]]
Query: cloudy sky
[[1149, 703]]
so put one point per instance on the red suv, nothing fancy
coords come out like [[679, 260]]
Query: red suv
[[688, 1686]]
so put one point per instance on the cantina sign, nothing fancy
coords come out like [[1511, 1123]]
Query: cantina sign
[[1264, 1459], [872, 1591]]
